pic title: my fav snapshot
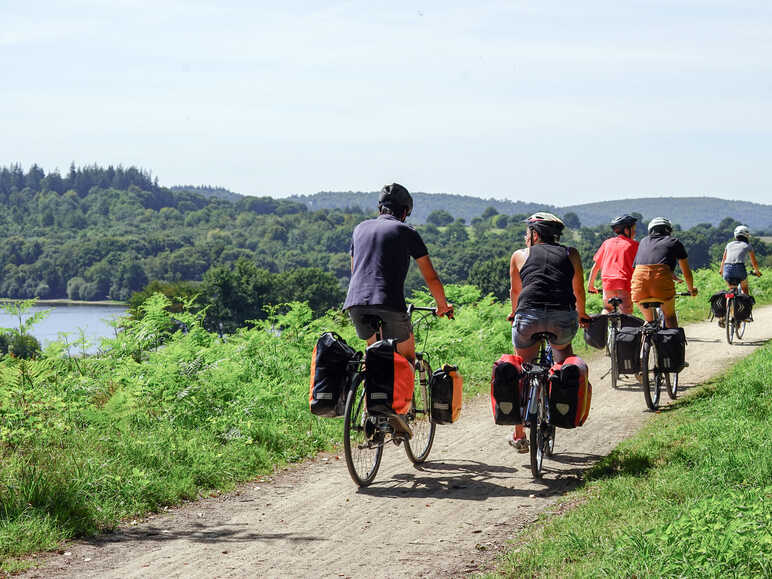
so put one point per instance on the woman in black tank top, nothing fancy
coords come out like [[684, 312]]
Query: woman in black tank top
[[547, 294], [546, 278]]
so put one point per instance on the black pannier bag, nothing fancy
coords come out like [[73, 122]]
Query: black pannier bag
[[626, 321], [507, 389], [628, 349], [596, 333], [718, 304], [671, 349], [743, 306], [330, 375]]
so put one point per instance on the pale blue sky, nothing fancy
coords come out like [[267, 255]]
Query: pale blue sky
[[565, 102]]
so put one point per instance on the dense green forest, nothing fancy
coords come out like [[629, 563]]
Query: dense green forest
[[105, 233]]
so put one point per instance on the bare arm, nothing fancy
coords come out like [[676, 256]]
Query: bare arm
[[515, 283], [593, 274], [687, 271], [723, 260], [435, 285], [578, 283], [754, 262]]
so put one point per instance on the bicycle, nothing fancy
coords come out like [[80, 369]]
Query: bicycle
[[734, 326], [542, 433], [365, 435], [615, 322], [652, 379]]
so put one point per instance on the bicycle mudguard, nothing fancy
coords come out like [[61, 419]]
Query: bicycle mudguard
[[570, 393], [508, 390]]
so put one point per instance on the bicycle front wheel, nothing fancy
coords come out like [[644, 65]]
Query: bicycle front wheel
[[672, 385], [740, 330], [362, 441], [651, 378], [419, 417], [729, 320], [612, 346]]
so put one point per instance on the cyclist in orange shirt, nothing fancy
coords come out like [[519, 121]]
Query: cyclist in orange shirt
[[615, 259]]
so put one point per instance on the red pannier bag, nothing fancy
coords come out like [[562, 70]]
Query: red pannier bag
[[507, 390], [389, 379], [570, 393]]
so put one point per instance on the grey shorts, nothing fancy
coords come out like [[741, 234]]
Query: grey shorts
[[395, 324], [562, 323]]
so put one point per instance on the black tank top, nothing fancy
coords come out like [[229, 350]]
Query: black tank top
[[547, 276]]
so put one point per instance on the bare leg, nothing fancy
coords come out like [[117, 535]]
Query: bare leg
[[744, 285], [668, 309], [406, 347]]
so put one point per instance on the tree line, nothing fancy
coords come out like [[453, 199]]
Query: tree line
[[108, 233]]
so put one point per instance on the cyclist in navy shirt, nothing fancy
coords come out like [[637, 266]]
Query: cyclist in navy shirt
[[381, 249]]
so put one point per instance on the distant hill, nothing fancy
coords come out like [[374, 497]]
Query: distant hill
[[457, 205], [208, 191], [686, 211]]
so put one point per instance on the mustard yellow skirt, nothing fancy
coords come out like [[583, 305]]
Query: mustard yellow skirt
[[652, 283]]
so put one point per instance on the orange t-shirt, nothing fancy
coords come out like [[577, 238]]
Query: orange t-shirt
[[615, 258]]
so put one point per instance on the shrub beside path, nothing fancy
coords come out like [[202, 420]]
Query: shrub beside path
[[447, 517]]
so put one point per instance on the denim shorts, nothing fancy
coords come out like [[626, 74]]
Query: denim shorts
[[734, 273], [562, 323], [396, 324]]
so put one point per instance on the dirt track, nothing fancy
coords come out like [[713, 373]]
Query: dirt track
[[446, 518]]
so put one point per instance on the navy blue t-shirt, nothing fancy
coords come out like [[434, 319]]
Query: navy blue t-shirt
[[657, 249], [381, 250]]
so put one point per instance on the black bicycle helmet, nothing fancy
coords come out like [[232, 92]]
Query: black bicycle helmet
[[618, 224], [545, 224], [396, 198]]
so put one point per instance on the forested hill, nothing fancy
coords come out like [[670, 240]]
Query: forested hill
[[459, 206], [687, 211]]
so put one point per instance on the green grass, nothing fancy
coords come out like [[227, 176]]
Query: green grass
[[691, 495], [86, 443]]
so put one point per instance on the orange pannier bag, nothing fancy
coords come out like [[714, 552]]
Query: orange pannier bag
[[570, 393], [446, 387], [389, 378]]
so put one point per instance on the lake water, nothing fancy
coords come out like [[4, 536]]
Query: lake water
[[92, 319]]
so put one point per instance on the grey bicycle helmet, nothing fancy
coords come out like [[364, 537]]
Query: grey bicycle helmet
[[618, 224], [660, 224], [396, 198], [545, 224]]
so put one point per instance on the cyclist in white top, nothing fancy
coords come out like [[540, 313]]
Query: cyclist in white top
[[733, 262]]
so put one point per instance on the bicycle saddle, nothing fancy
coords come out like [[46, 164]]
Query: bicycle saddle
[[615, 301], [650, 304], [549, 336]]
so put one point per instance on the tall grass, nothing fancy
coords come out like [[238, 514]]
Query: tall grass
[[162, 416], [691, 495]]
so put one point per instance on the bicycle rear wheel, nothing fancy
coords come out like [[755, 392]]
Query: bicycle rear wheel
[[651, 378], [729, 320], [362, 441], [542, 434], [419, 418]]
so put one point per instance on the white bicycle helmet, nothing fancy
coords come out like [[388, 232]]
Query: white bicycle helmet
[[546, 224], [742, 231], [660, 222]]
